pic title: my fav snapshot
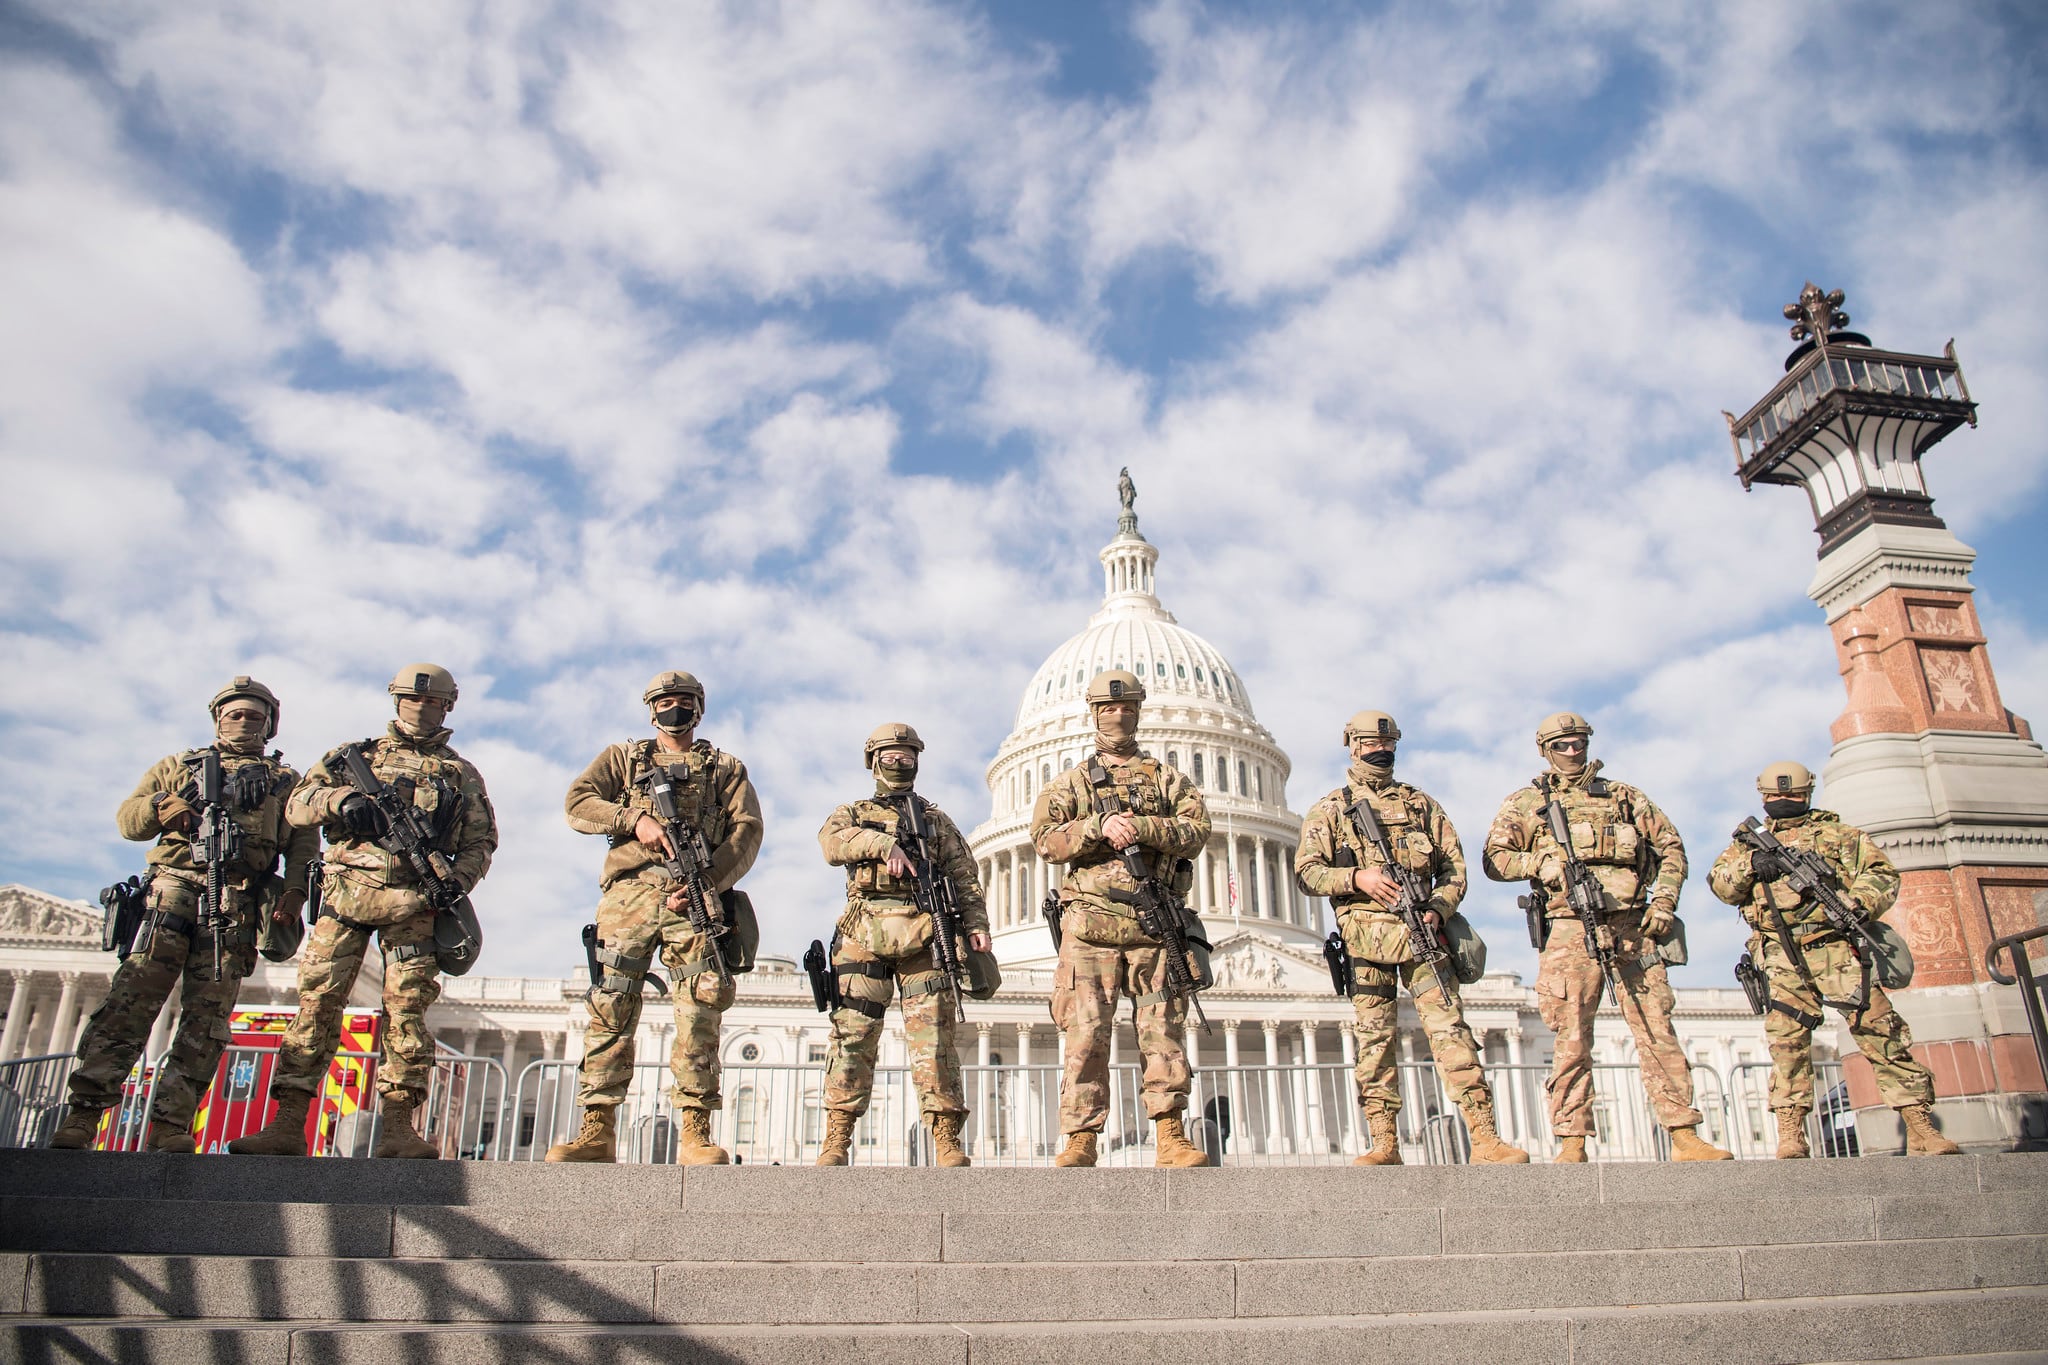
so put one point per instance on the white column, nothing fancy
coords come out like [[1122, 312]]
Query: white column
[[1019, 892], [1275, 1133], [1316, 1137], [984, 1087], [1234, 1091], [11, 1037], [508, 1056], [1513, 1037], [64, 1030], [1264, 901], [469, 1037]]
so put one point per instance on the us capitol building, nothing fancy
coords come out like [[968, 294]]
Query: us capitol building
[[1272, 1005]]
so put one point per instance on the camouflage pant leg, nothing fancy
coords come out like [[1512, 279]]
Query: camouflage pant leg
[[1450, 1038], [1879, 1030], [1162, 1034], [928, 1036], [1791, 1040], [1882, 1033], [1376, 1005], [701, 1001], [1568, 995], [628, 923], [856, 1037], [409, 988], [1647, 1004], [328, 965], [1084, 1006]]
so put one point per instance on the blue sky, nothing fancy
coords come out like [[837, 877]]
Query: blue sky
[[800, 345]]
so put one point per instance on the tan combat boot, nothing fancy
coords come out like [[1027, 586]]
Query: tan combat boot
[[400, 1138], [1171, 1146], [1386, 1141], [170, 1137], [1922, 1137], [946, 1148], [838, 1146], [1792, 1132], [1688, 1145], [696, 1147], [1571, 1151], [596, 1141], [285, 1134], [1487, 1147], [78, 1130], [1080, 1150]]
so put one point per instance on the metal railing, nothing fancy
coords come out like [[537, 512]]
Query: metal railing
[[1246, 1115], [466, 1097], [2031, 986]]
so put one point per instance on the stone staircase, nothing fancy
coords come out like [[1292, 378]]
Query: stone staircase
[[283, 1261]]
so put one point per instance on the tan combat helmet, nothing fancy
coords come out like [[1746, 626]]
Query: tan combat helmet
[[1371, 724], [674, 683], [1115, 685], [246, 686], [894, 735], [1562, 725], [1785, 779], [424, 680]]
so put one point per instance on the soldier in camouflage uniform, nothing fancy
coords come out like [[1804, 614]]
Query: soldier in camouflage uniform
[[641, 909], [1103, 951], [1634, 852], [883, 943], [1334, 861], [1819, 966], [369, 890], [173, 943]]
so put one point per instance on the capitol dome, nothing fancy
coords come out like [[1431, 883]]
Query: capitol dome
[[1197, 718]]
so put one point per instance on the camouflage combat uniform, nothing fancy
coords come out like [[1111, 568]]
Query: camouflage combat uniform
[[883, 943], [1870, 882], [1103, 951], [1634, 852], [371, 890], [714, 795], [1382, 958], [171, 943]]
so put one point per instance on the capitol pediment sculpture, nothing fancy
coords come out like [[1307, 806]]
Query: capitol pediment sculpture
[[25, 913], [1245, 963]]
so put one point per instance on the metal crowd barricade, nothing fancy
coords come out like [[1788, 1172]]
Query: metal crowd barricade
[[32, 1091], [2013, 946], [1753, 1124]]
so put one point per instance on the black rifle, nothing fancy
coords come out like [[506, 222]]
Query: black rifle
[[1051, 911], [1159, 910], [933, 891], [689, 866], [1412, 904], [127, 904], [1339, 958], [216, 843], [406, 831], [1807, 873], [1583, 893]]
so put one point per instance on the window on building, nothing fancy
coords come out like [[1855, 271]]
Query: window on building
[[1181, 670], [526, 1130], [1198, 770], [1244, 786], [750, 1052], [1044, 773], [1027, 784], [1198, 672], [743, 1116], [1066, 763], [1173, 760], [815, 1052], [1259, 781], [814, 1119]]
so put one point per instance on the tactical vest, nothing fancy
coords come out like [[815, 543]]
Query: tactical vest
[[1603, 823], [1803, 916], [1100, 875], [431, 782], [1404, 814], [701, 782], [254, 789], [872, 879]]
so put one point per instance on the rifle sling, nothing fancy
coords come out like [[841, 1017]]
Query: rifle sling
[[1811, 1021]]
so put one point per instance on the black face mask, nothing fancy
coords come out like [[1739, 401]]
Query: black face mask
[[1380, 758], [675, 719], [1786, 808]]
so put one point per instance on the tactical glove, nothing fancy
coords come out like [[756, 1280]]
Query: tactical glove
[[176, 813], [1765, 865], [1658, 919], [361, 818]]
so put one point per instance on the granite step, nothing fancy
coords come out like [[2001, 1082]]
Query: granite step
[[841, 1293], [1901, 1326], [538, 1186], [496, 1232]]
